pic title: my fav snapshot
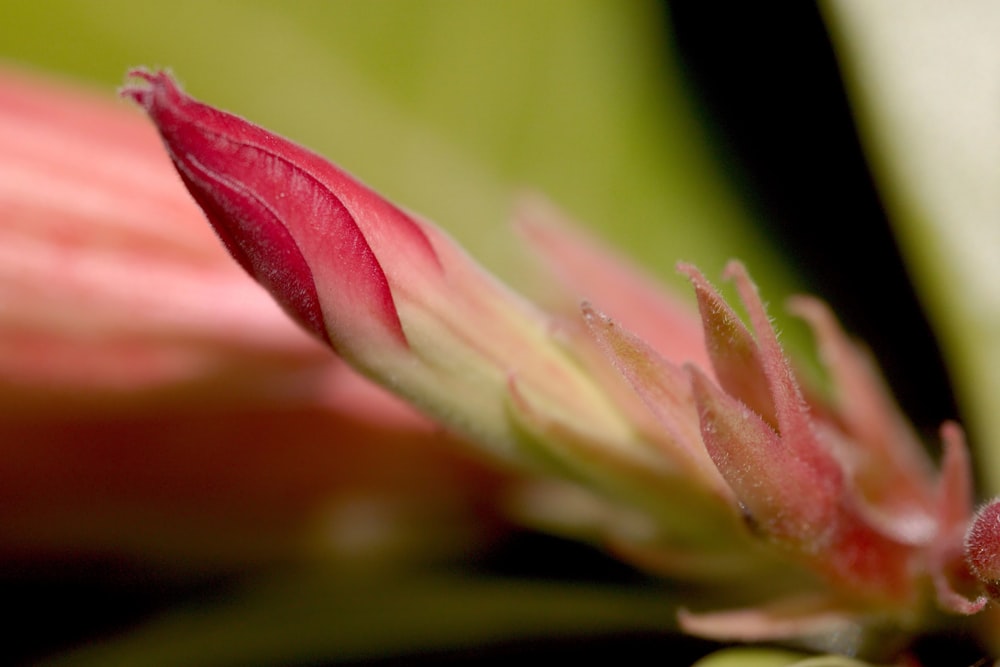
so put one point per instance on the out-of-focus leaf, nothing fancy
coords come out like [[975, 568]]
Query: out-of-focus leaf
[[925, 79], [762, 657], [309, 616], [750, 657]]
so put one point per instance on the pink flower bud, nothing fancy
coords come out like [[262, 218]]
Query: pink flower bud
[[288, 216], [156, 405], [391, 293], [982, 547]]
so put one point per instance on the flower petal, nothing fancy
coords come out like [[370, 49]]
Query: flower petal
[[778, 491], [735, 355], [886, 461], [665, 391], [793, 420], [788, 617], [589, 270]]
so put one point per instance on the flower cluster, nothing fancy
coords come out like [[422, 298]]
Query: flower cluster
[[715, 462]]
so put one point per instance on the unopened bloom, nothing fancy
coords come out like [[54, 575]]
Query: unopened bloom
[[818, 513], [157, 406]]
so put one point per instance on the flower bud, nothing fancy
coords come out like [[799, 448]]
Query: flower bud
[[392, 294], [982, 547]]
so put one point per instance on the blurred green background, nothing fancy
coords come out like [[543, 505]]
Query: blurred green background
[[447, 106]]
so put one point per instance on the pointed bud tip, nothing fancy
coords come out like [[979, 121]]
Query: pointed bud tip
[[237, 201], [696, 278], [143, 93], [689, 270], [591, 315], [735, 269]]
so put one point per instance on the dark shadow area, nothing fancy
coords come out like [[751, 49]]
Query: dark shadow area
[[769, 89], [58, 607]]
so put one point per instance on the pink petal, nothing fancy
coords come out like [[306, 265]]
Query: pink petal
[[793, 420], [665, 392], [588, 270], [781, 494], [946, 558], [735, 355], [955, 487], [110, 282], [156, 404], [783, 619], [887, 463]]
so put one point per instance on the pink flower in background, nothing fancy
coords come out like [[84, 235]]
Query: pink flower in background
[[155, 404], [710, 460]]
